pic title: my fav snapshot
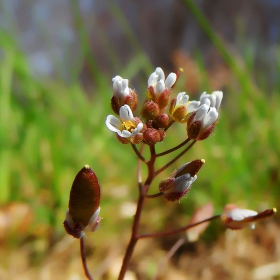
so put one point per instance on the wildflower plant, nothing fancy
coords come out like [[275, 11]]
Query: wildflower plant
[[144, 130]]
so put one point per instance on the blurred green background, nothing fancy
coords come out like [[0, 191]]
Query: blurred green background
[[50, 126]]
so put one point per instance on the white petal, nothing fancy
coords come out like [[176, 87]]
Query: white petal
[[201, 112], [241, 214], [117, 78], [152, 79], [160, 74], [160, 87], [219, 97], [92, 221], [125, 134], [137, 129], [113, 123], [202, 96], [69, 219], [181, 99], [205, 101], [236, 215], [193, 106], [126, 113], [183, 182], [209, 118], [170, 80]]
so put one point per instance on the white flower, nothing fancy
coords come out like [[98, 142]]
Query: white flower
[[120, 87], [182, 102], [236, 218], [159, 83], [206, 115], [213, 100], [126, 126], [202, 124], [180, 181]]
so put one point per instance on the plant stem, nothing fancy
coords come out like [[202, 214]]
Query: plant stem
[[173, 149], [138, 153], [82, 250], [178, 230], [173, 160], [134, 237], [153, 195], [135, 227]]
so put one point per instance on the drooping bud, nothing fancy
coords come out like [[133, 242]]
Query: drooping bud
[[201, 125], [180, 181], [83, 212], [123, 95], [236, 218], [151, 136]]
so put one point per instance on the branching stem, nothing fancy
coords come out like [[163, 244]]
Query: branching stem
[[173, 149], [171, 232], [138, 153], [173, 160]]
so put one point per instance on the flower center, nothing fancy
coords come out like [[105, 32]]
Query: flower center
[[129, 125]]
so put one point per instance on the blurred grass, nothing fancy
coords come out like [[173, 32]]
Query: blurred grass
[[50, 129]]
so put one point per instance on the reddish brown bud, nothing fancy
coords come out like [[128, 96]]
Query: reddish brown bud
[[122, 139], [162, 120], [179, 114], [83, 212], [201, 124], [163, 98], [150, 93], [84, 196], [150, 110], [162, 134], [118, 101], [151, 136], [180, 181], [192, 168], [137, 138], [131, 100], [115, 105], [150, 124]]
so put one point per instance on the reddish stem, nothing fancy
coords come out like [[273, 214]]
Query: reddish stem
[[139, 155], [82, 250], [173, 149], [135, 227], [178, 230], [173, 160]]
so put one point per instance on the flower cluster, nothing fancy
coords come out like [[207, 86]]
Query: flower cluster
[[157, 114], [150, 127]]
